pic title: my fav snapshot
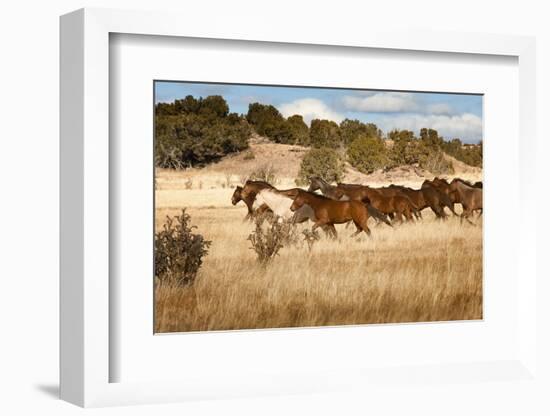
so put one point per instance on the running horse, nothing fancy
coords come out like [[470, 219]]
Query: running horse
[[329, 212], [470, 197], [247, 194], [343, 192]]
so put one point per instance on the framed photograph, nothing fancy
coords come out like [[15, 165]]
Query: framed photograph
[[279, 214]]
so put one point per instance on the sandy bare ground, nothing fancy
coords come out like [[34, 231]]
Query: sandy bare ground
[[427, 271]]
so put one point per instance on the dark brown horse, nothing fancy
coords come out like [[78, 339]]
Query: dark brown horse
[[329, 212], [386, 198], [428, 197], [470, 197], [391, 203], [343, 192], [439, 193]]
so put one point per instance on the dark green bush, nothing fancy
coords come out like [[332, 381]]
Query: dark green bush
[[178, 251], [353, 129], [469, 154], [323, 162], [191, 132], [299, 131], [367, 154], [403, 150], [324, 133], [268, 121]]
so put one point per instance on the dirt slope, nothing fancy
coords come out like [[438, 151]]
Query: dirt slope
[[285, 161]]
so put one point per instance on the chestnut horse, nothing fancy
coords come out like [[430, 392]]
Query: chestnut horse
[[390, 201], [329, 212], [343, 192]]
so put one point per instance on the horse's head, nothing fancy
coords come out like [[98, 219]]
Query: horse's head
[[427, 183], [454, 184], [314, 183], [236, 195], [298, 202]]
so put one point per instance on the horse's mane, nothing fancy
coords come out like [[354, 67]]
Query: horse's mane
[[319, 196], [349, 184], [251, 182]]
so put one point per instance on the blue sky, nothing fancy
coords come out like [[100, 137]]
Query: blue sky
[[452, 115]]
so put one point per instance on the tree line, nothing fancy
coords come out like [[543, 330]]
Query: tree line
[[195, 132]]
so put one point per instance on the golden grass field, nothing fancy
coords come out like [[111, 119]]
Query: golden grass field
[[426, 271]]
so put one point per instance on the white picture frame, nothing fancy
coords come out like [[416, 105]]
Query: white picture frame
[[85, 165]]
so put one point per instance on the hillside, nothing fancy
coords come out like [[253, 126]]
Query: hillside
[[285, 161]]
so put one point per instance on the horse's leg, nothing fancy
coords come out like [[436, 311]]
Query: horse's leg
[[466, 214], [364, 226], [408, 215], [399, 217], [332, 230], [442, 213], [436, 212], [329, 229], [358, 229]]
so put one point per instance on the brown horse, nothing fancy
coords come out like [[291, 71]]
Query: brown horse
[[438, 191], [398, 204], [470, 197], [247, 194], [388, 201], [428, 197], [329, 212], [385, 199], [343, 192]]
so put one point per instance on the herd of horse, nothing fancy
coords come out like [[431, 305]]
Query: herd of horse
[[343, 203]]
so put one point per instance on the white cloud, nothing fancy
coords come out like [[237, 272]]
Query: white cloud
[[439, 108], [309, 109], [382, 102], [467, 127]]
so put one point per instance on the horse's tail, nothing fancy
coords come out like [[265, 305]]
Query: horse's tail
[[373, 212]]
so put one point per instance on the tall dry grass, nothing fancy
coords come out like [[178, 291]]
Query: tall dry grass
[[428, 271]]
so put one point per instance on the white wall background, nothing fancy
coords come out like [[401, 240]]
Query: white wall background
[[29, 205]]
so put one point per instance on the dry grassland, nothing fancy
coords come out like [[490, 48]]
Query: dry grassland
[[427, 271]]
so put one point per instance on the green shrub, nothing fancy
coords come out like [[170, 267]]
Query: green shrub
[[323, 162], [324, 133], [178, 251], [268, 240], [353, 129], [469, 154], [367, 154], [433, 160], [193, 132], [404, 150], [268, 121], [299, 131]]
